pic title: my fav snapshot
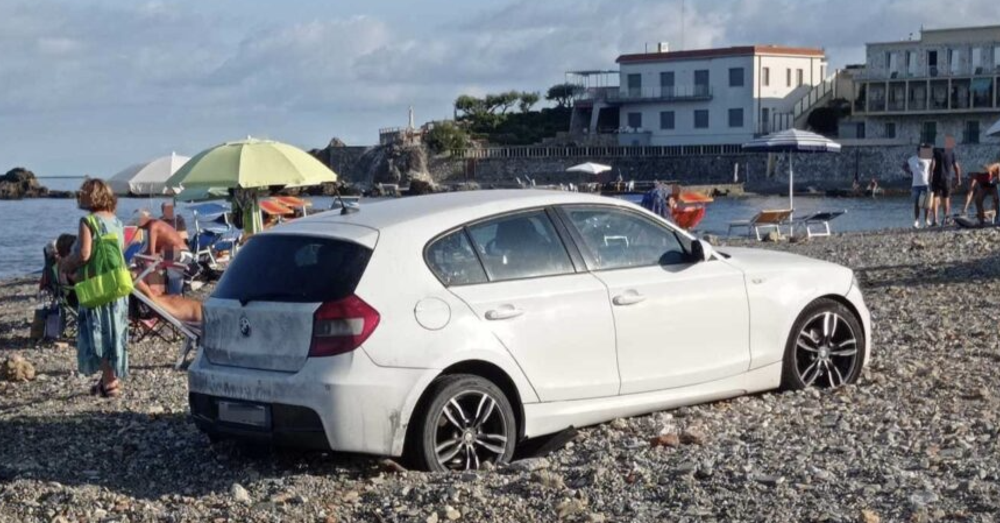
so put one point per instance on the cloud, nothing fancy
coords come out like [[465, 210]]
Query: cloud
[[98, 85]]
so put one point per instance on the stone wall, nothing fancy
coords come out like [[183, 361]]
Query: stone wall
[[819, 171]]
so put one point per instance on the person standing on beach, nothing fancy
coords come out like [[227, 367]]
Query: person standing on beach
[[102, 332], [920, 169], [946, 169]]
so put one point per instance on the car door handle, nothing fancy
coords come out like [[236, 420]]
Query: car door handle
[[504, 312], [628, 298]]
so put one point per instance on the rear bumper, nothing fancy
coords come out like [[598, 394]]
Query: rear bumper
[[346, 400]]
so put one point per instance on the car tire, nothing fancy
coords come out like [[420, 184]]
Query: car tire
[[448, 434], [825, 348]]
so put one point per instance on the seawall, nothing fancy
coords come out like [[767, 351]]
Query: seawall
[[819, 171]]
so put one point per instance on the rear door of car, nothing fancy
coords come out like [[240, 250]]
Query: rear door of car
[[521, 280], [678, 322]]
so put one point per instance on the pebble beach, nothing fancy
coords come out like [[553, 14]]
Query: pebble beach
[[917, 439]]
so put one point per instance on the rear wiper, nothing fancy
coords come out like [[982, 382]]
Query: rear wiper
[[267, 296]]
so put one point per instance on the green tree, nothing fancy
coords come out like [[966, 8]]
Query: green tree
[[527, 100], [446, 136], [563, 94], [470, 105]]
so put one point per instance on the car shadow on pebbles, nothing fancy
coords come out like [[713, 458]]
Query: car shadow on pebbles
[[148, 456]]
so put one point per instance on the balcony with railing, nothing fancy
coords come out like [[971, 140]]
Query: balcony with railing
[[685, 93]]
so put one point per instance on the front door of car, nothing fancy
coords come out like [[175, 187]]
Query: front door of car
[[678, 322], [555, 321]]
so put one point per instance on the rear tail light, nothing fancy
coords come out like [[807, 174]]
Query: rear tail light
[[342, 326]]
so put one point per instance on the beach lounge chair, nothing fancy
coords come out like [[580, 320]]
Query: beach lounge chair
[[764, 220], [820, 220], [190, 332]]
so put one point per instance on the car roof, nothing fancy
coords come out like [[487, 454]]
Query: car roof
[[445, 210]]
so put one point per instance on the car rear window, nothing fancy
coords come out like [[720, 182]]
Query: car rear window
[[298, 269]]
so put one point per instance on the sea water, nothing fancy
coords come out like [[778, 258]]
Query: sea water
[[27, 225]]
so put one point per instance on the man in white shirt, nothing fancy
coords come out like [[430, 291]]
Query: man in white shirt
[[919, 166]]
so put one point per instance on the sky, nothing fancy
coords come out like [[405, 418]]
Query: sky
[[91, 87]]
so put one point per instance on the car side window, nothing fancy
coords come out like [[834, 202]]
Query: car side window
[[520, 246], [454, 262], [618, 239]]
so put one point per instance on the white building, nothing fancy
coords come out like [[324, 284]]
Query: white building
[[707, 96], [920, 90]]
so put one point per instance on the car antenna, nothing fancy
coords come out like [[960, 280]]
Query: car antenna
[[344, 209]]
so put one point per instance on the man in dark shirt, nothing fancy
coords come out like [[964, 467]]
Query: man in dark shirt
[[946, 171]]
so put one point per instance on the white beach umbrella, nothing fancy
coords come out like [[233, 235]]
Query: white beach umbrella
[[792, 141], [589, 168], [994, 130], [148, 178]]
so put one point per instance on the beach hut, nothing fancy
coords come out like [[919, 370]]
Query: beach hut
[[147, 178]]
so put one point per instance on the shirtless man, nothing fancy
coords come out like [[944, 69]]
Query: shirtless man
[[163, 240], [184, 309]]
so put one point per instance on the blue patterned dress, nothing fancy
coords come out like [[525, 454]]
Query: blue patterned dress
[[102, 332]]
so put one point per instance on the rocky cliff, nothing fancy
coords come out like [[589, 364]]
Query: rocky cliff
[[21, 183]]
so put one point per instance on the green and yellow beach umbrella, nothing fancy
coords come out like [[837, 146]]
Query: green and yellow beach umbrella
[[248, 166]]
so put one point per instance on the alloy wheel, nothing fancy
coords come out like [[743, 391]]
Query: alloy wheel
[[471, 430], [826, 351]]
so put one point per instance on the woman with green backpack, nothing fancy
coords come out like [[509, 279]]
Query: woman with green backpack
[[102, 288]]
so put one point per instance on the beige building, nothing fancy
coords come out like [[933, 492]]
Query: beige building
[[920, 90]]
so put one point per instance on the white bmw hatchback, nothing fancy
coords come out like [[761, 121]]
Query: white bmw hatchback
[[451, 327]]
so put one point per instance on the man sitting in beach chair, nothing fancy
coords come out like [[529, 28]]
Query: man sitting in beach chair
[[59, 284], [181, 314], [764, 220], [818, 220]]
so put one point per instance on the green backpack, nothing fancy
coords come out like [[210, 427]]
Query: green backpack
[[105, 277]]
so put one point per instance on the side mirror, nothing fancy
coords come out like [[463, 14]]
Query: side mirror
[[701, 251]]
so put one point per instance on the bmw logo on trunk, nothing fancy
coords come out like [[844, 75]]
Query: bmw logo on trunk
[[245, 326]]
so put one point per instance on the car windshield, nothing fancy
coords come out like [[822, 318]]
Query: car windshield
[[301, 269]]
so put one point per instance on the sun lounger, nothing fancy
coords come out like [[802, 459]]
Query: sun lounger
[[819, 220], [190, 332], [764, 220]]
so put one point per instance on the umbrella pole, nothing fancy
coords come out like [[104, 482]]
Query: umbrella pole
[[791, 193]]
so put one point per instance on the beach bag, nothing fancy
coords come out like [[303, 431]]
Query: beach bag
[[105, 277]]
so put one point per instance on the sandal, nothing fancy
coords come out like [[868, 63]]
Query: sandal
[[106, 392]]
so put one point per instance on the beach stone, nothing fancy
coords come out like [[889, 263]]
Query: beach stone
[[240, 494], [666, 440], [17, 369], [692, 437], [869, 516]]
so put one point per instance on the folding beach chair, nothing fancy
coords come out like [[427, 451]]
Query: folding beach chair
[[190, 332], [61, 295], [764, 220], [820, 220]]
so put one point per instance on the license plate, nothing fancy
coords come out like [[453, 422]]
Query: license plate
[[244, 413]]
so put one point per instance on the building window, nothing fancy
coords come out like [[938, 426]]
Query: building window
[[798, 78], [971, 131], [911, 63], [954, 64], [932, 63], [667, 84], [701, 119], [666, 119], [788, 77], [736, 118], [890, 130], [736, 77], [860, 132], [977, 60], [928, 133], [635, 120], [765, 120], [996, 58], [635, 85], [701, 82], [766, 77]]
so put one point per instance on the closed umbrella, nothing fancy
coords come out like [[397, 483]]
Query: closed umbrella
[[589, 168], [148, 178], [792, 141]]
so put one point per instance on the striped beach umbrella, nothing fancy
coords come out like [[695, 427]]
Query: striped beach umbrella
[[792, 141]]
